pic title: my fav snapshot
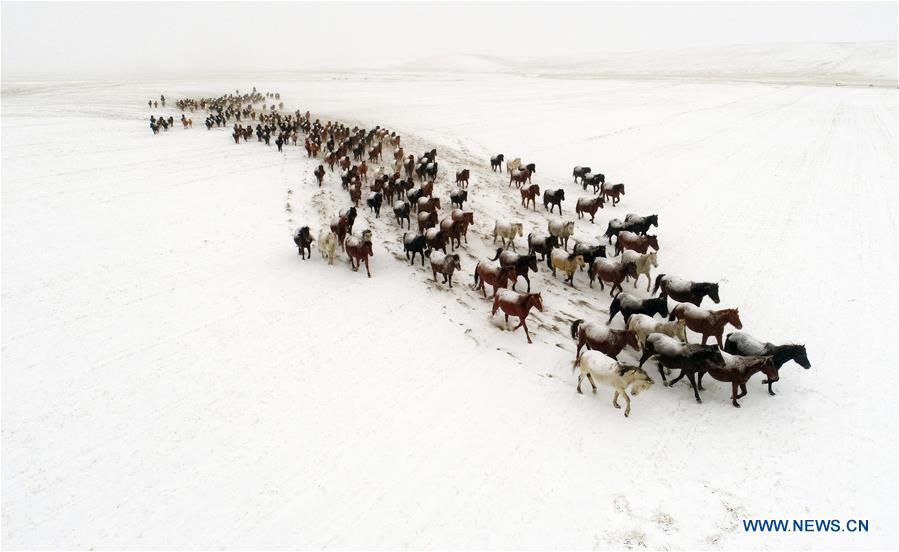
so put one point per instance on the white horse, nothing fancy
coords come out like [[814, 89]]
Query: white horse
[[597, 367], [643, 325], [507, 231], [644, 263], [513, 164], [562, 230], [327, 244]]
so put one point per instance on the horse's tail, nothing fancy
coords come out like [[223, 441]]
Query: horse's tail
[[614, 308], [574, 327], [499, 251], [673, 315], [476, 274], [658, 283]]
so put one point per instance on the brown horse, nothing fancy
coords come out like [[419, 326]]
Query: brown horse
[[519, 177], [589, 205], [452, 229], [319, 175], [737, 370], [611, 272], [635, 242], [359, 250], [613, 192], [496, 276], [426, 220], [707, 322], [517, 304], [462, 178], [427, 189], [465, 219], [355, 193], [529, 195], [343, 224], [601, 338], [428, 204]]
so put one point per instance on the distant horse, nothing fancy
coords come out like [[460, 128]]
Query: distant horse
[[445, 265], [303, 240], [465, 219], [343, 224], [522, 264], [541, 243], [615, 227], [635, 242], [599, 337], [566, 263], [639, 224], [414, 244], [589, 252], [428, 204], [374, 203], [359, 250], [579, 172], [513, 164], [507, 231], [554, 198], [355, 191], [613, 192], [435, 239], [453, 231], [529, 195], [671, 354], [426, 220], [737, 370], [327, 244], [611, 272], [595, 180], [519, 177], [319, 175], [686, 291], [604, 371], [563, 230], [628, 305], [707, 322], [496, 276], [644, 262], [741, 343], [589, 205], [458, 197], [496, 162], [517, 304], [644, 325], [462, 178], [401, 211]]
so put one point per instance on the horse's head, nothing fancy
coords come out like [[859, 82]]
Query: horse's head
[[560, 195], [532, 262], [733, 316], [769, 368], [638, 378], [578, 260], [552, 241], [712, 290], [630, 339], [661, 304], [568, 227], [653, 258], [799, 355], [456, 261], [653, 241], [505, 274], [536, 300]]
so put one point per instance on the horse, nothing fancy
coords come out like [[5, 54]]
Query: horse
[[496, 162], [671, 354], [628, 305], [599, 337], [566, 263], [707, 322], [327, 244], [453, 231], [644, 262], [579, 172], [401, 211], [458, 197], [596, 180], [513, 164], [615, 227], [507, 230], [741, 343], [319, 175], [465, 219], [303, 240], [589, 252], [374, 203], [359, 250], [435, 239], [561, 230], [554, 198], [737, 370], [462, 178], [428, 204], [343, 224], [496, 276], [517, 304], [426, 220], [541, 243], [522, 264], [613, 192], [635, 242], [529, 195], [639, 224], [611, 272], [519, 177], [686, 291], [414, 244], [643, 325], [444, 264], [355, 191], [609, 372], [589, 205]]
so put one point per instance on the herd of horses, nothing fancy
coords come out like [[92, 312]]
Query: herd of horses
[[651, 326]]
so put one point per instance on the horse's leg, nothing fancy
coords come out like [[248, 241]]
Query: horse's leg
[[579, 379], [615, 399], [699, 380], [525, 326], [718, 338], [507, 322], [528, 280], [675, 380], [366, 267], [733, 394], [691, 377], [770, 383], [742, 390], [705, 337], [593, 383], [627, 409]]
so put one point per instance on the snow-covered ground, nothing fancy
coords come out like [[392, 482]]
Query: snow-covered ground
[[175, 376]]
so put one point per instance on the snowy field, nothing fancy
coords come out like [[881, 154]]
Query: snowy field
[[175, 376]]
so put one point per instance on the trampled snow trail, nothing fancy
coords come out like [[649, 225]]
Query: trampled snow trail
[[174, 375]]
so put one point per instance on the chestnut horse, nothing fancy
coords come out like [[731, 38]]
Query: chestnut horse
[[741, 343], [589, 205], [737, 370], [517, 304], [462, 178], [613, 192], [496, 276], [359, 250], [611, 272], [343, 224], [529, 195], [601, 338], [707, 322], [635, 242]]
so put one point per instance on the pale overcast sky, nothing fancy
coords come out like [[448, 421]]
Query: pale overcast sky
[[156, 37]]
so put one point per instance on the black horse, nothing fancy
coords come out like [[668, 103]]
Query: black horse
[[589, 252], [686, 291], [689, 359], [496, 162], [415, 244], [595, 180], [554, 198], [743, 344], [543, 244], [522, 264], [458, 197], [401, 211], [532, 167], [640, 225], [374, 203], [628, 305], [580, 172], [303, 239]]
